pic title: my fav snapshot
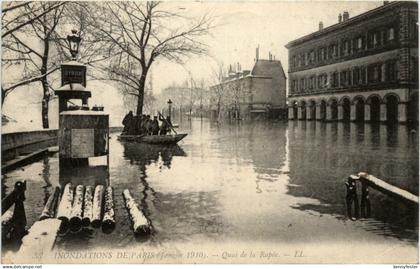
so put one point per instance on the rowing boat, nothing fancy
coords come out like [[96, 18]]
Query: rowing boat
[[153, 139]]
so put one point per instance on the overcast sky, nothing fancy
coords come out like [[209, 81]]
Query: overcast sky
[[242, 26]]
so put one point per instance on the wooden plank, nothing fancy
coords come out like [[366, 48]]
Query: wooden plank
[[41, 237], [53, 149], [387, 188]]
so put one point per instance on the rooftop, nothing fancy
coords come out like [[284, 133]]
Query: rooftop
[[263, 67], [350, 21]]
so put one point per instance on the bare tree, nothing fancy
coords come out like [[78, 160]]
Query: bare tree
[[42, 46], [17, 17], [141, 33], [219, 91], [17, 14], [194, 93]]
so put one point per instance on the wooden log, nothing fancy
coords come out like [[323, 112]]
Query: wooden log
[[108, 222], [141, 225], [65, 207], [395, 192], [77, 209], [51, 205], [88, 206], [97, 206]]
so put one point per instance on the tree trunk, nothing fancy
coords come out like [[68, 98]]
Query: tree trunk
[[44, 81], [45, 103], [140, 98]]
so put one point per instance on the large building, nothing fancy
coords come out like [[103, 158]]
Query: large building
[[245, 94], [363, 68]]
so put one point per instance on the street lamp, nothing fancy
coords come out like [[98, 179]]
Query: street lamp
[[170, 107], [74, 42]]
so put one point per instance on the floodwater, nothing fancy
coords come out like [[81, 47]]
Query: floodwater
[[260, 184]]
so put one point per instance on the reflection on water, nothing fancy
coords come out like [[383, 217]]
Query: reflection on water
[[270, 182], [84, 175], [321, 161], [144, 154]]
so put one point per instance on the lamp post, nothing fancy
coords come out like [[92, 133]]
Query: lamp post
[[169, 107], [74, 42]]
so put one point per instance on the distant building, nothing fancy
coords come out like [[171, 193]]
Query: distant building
[[186, 101], [249, 94], [363, 68]]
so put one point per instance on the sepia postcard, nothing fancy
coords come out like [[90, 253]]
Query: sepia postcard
[[210, 132]]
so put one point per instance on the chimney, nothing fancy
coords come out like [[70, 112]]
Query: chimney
[[346, 16], [257, 53], [269, 56], [321, 26], [339, 18]]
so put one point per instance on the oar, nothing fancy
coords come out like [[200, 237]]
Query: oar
[[170, 125]]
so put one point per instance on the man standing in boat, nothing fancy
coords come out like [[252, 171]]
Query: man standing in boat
[[148, 125], [127, 122], [155, 126], [166, 124]]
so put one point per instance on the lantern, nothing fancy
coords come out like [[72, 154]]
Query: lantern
[[74, 42]]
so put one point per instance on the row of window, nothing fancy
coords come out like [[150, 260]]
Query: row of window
[[361, 75], [372, 39]]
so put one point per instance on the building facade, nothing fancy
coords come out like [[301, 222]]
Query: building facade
[[363, 68], [251, 94]]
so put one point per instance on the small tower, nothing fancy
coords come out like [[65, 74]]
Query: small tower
[[83, 133]]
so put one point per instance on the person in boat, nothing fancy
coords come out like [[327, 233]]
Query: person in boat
[[168, 119], [166, 125], [137, 126], [148, 125], [155, 126], [127, 122], [140, 125]]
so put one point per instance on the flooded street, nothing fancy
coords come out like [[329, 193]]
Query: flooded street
[[263, 183]]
